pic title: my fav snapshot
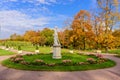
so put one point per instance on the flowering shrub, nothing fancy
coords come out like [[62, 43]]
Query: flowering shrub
[[99, 56], [91, 60], [81, 63], [17, 60], [19, 56], [91, 55], [24, 63], [51, 64], [100, 61], [66, 61], [13, 57], [38, 62], [29, 54]]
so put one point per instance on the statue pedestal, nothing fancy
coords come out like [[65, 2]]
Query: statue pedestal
[[57, 52]]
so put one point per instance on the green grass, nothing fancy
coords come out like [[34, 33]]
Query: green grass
[[27, 46], [48, 59], [115, 51], [5, 52], [42, 49]]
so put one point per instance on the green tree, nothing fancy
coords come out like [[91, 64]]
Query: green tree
[[48, 35]]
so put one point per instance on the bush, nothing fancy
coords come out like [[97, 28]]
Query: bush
[[24, 63], [91, 60], [99, 56], [82, 63], [100, 61], [67, 62], [51, 64], [38, 62], [7, 46], [19, 56], [29, 54], [37, 48], [19, 48], [17, 60]]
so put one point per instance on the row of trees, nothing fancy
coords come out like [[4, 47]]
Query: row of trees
[[94, 30], [43, 37]]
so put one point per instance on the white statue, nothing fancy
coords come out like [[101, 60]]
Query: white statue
[[56, 46], [56, 40]]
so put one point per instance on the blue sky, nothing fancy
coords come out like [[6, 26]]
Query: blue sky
[[17, 16]]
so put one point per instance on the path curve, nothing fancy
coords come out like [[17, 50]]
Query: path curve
[[101, 74]]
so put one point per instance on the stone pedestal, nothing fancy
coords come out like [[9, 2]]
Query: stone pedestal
[[57, 52], [37, 51], [71, 51], [20, 52], [98, 51]]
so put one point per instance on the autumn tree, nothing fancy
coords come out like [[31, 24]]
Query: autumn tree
[[34, 37], [82, 29], [116, 34], [64, 37], [108, 10], [16, 37]]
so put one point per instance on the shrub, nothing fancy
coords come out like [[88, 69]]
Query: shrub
[[38, 62], [19, 56], [91, 55], [91, 60], [19, 48], [99, 56], [37, 48], [7, 46], [13, 57], [17, 60], [24, 63], [66, 62], [29, 54], [81, 63], [100, 61], [51, 64]]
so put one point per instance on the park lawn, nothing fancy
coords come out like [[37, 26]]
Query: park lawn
[[45, 49], [27, 46], [115, 51], [41, 49], [5, 52], [48, 59]]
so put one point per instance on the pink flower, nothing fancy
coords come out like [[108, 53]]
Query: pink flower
[[66, 61]]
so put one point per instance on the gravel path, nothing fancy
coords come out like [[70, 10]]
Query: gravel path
[[101, 74]]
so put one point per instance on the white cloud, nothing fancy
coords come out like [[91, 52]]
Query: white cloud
[[15, 21], [38, 2], [33, 1]]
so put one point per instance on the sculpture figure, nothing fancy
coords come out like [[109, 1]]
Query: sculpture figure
[[56, 40]]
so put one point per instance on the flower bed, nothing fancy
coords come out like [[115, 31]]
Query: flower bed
[[68, 62]]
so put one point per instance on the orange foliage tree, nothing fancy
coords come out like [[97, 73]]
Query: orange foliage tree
[[81, 29]]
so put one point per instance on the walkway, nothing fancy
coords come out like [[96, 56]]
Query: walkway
[[102, 74]]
